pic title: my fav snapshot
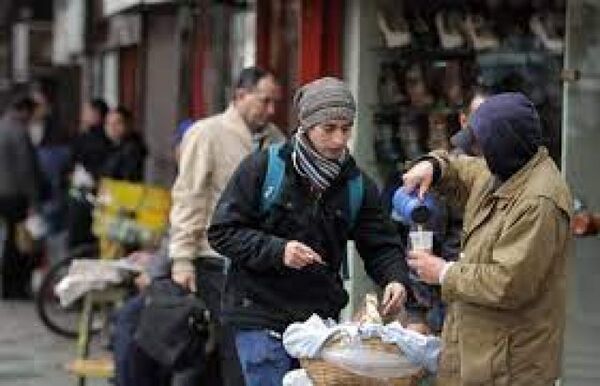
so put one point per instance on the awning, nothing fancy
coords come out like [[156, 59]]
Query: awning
[[111, 7]]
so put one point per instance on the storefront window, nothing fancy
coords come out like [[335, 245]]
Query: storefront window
[[243, 38], [432, 57]]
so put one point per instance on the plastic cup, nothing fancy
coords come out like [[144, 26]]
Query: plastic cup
[[420, 241]]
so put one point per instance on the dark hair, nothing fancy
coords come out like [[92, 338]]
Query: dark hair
[[23, 103], [125, 114], [250, 76], [100, 106]]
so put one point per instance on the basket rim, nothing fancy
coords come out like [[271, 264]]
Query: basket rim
[[322, 372]]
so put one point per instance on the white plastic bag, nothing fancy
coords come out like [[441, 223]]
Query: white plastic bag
[[297, 377], [423, 350], [81, 178], [36, 226]]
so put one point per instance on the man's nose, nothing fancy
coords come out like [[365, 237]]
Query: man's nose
[[340, 138], [271, 108]]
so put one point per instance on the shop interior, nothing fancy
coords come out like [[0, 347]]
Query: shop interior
[[431, 56]]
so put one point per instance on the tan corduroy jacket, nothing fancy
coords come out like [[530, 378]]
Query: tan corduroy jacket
[[506, 294], [210, 152]]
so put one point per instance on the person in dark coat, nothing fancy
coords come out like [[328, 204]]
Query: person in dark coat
[[127, 151], [108, 149], [89, 151], [91, 147], [20, 193], [285, 263]]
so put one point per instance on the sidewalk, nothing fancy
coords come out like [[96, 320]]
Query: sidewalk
[[30, 355]]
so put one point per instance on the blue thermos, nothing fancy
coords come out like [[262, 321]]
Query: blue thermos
[[409, 209]]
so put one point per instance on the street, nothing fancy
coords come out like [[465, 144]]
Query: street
[[30, 354]]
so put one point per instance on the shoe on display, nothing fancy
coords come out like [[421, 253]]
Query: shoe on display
[[539, 5], [494, 5], [452, 83], [389, 151], [409, 136], [438, 131], [425, 36], [388, 89], [387, 144], [448, 28], [416, 88], [546, 29], [480, 33], [399, 37], [560, 5]]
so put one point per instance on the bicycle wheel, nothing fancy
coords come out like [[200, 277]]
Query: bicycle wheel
[[62, 320]]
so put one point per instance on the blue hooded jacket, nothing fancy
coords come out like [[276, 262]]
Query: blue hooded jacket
[[508, 130]]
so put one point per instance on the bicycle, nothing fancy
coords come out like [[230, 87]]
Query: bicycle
[[62, 320], [126, 216]]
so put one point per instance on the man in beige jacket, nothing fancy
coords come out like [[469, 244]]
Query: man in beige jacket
[[506, 294], [211, 150]]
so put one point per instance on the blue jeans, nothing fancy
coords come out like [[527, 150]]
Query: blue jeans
[[132, 365], [262, 356]]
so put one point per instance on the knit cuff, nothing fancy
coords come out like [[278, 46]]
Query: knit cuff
[[437, 168], [444, 271], [183, 265], [450, 282]]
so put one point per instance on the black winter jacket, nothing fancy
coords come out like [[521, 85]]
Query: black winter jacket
[[125, 160], [91, 149], [261, 292]]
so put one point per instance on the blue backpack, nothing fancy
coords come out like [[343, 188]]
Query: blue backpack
[[273, 183]]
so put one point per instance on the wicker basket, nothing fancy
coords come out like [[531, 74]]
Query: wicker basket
[[325, 374]]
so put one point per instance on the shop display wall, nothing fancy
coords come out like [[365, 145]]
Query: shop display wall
[[433, 54]]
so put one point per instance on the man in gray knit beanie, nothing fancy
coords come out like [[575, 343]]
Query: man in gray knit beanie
[[326, 110], [287, 257], [323, 100]]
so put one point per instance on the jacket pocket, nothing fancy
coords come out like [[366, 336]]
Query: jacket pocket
[[484, 356], [534, 355], [450, 358]]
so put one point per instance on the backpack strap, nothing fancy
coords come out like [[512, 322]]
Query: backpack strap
[[355, 197], [273, 182], [355, 200]]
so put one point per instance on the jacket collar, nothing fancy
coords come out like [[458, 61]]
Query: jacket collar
[[518, 180], [233, 119]]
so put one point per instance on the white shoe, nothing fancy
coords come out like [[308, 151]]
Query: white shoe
[[448, 30], [389, 91], [399, 38], [479, 33], [542, 28]]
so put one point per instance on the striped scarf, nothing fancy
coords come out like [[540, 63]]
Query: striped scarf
[[309, 163]]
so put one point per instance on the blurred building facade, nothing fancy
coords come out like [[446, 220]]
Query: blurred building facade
[[165, 60]]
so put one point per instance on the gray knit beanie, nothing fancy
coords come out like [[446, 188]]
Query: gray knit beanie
[[323, 100]]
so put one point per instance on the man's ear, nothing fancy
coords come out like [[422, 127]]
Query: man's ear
[[239, 93]]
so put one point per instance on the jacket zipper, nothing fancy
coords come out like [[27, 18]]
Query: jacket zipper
[[316, 204]]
